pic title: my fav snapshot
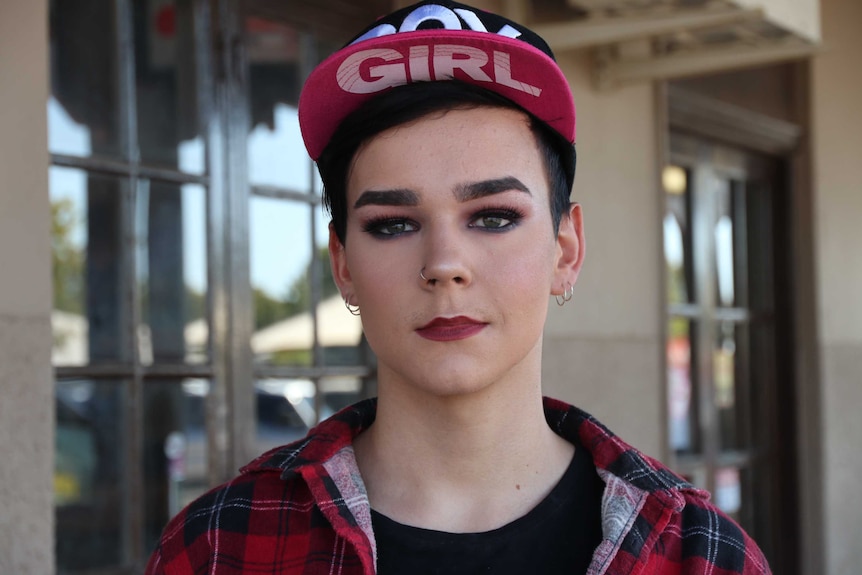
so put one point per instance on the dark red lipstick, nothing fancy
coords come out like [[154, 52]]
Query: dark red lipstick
[[451, 328]]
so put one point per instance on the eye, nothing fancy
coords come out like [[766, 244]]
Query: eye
[[390, 227], [496, 220]]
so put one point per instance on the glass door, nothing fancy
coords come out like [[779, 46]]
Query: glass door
[[729, 397]]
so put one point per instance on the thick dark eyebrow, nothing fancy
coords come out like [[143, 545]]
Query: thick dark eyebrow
[[387, 198], [463, 193], [476, 190]]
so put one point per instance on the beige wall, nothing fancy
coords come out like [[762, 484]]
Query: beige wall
[[603, 350], [26, 403], [837, 136]]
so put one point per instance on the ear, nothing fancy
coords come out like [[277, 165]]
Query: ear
[[340, 271], [570, 250]]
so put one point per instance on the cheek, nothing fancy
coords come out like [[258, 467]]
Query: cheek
[[530, 264], [375, 278]]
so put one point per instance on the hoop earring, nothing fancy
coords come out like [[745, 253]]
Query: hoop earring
[[567, 295], [353, 309]]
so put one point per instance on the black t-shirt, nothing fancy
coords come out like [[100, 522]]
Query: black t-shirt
[[558, 536]]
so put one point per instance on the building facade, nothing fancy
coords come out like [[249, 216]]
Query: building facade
[[166, 311]]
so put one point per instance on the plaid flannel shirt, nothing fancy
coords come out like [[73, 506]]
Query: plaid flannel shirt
[[303, 509]]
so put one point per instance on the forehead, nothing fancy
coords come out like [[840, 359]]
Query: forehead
[[448, 145]]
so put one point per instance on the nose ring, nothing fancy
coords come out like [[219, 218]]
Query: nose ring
[[422, 275]]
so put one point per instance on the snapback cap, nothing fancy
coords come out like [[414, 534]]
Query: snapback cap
[[436, 41]]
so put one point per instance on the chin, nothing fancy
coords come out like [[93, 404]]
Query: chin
[[444, 383]]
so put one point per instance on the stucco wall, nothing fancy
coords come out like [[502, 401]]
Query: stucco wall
[[26, 390], [837, 136], [603, 349]]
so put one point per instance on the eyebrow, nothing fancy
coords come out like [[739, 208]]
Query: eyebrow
[[387, 198], [476, 190], [463, 193]]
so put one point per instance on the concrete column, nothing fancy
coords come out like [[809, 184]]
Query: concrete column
[[837, 136], [26, 379], [603, 350]]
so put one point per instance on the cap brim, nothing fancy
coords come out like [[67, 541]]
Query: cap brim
[[510, 67]]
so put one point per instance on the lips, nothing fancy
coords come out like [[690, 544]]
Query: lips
[[451, 329]]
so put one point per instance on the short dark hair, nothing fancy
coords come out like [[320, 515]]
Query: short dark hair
[[410, 102]]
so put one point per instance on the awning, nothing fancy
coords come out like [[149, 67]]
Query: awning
[[643, 40]]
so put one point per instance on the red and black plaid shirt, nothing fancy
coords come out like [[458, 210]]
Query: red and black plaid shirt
[[302, 509]]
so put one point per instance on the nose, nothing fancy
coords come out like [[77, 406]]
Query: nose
[[445, 258]]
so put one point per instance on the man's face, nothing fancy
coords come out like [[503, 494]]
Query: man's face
[[461, 196]]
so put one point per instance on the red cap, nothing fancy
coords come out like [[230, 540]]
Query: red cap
[[436, 41]]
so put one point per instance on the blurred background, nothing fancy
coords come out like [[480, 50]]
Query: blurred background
[[167, 311]]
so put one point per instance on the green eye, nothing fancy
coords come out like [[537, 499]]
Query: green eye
[[496, 220], [395, 228], [390, 227], [492, 222]]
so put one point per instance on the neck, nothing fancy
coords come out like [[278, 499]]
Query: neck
[[460, 463]]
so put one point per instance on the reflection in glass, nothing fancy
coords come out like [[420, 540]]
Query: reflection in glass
[[724, 367], [285, 411], [680, 382], [83, 110], [65, 135], [724, 253], [87, 264], [338, 393], [288, 408], [730, 384], [169, 127], [88, 465], [172, 273], [276, 154], [730, 244], [728, 490], [724, 260], [175, 449], [677, 240], [281, 281]]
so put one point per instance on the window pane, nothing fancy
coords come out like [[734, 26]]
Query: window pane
[[288, 408], [83, 110], [175, 449], [682, 391], [172, 273], [276, 154], [734, 494], [169, 125], [88, 471], [281, 281], [731, 247], [338, 393], [285, 411], [728, 490], [87, 262], [677, 236], [731, 384]]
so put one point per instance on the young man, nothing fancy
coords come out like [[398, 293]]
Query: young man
[[445, 140]]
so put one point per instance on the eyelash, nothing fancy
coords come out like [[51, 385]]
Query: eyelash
[[376, 226]]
